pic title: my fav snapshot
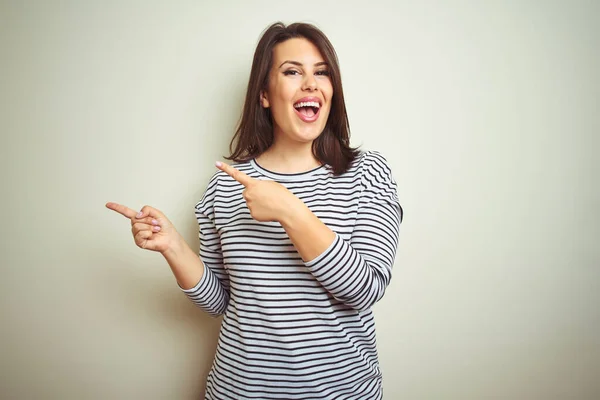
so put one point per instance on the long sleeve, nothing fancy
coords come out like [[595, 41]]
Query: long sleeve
[[212, 291], [357, 272]]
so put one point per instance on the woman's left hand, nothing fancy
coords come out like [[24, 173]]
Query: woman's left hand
[[266, 200]]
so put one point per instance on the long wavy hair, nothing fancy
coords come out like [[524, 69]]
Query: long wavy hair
[[254, 133]]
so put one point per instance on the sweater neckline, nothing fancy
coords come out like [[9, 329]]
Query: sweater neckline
[[285, 177]]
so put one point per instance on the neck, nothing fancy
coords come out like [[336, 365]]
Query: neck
[[288, 158]]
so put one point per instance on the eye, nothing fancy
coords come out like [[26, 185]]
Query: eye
[[291, 72], [323, 72]]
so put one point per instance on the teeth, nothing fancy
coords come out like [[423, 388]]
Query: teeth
[[307, 104]]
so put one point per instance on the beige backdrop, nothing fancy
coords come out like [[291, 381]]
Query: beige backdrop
[[487, 111]]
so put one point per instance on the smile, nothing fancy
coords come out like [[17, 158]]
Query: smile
[[308, 109]]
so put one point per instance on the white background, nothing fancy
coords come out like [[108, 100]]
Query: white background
[[488, 113]]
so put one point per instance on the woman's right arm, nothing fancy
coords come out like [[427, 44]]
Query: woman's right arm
[[207, 287], [185, 264], [152, 230]]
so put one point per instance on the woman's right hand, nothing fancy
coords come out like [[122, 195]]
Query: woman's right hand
[[151, 229]]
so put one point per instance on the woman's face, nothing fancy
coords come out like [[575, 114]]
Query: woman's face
[[299, 91]]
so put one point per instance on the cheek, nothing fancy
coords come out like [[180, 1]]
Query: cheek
[[281, 99], [284, 90], [327, 115], [328, 91], [329, 96], [279, 113]]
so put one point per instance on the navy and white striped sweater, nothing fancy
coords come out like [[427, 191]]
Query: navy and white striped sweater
[[295, 329]]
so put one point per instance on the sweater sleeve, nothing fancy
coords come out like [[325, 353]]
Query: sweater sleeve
[[211, 293], [357, 272]]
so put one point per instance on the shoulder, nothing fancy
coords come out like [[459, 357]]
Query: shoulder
[[221, 182], [378, 184], [372, 162], [375, 172]]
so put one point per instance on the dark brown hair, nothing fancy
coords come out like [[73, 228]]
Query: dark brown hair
[[254, 133]]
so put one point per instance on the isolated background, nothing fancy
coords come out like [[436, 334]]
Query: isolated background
[[488, 113]]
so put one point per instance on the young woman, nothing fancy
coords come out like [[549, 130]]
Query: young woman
[[297, 242]]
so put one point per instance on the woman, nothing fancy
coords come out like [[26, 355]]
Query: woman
[[297, 242]]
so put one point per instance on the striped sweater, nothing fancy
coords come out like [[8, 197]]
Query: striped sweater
[[293, 329]]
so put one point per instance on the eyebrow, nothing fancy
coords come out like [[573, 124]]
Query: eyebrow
[[299, 64]]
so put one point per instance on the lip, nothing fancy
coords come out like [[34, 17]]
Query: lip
[[310, 98], [304, 117]]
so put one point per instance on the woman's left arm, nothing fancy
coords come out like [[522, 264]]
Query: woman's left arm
[[355, 272]]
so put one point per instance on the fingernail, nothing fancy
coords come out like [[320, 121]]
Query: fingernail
[[156, 228], [139, 215], [218, 164], [155, 222]]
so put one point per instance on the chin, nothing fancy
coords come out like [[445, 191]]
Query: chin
[[307, 137], [309, 133]]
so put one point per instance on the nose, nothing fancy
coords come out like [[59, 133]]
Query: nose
[[310, 83]]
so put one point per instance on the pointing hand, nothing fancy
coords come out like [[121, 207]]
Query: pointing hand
[[150, 228], [266, 200]]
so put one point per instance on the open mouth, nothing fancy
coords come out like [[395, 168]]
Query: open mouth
[[308, 111]]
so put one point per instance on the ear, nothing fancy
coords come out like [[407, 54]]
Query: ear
[[264, 100]]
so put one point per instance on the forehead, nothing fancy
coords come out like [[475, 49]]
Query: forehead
[[296, 49]]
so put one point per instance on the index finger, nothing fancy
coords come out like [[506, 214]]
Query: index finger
[[235, 174], [121, 209]]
